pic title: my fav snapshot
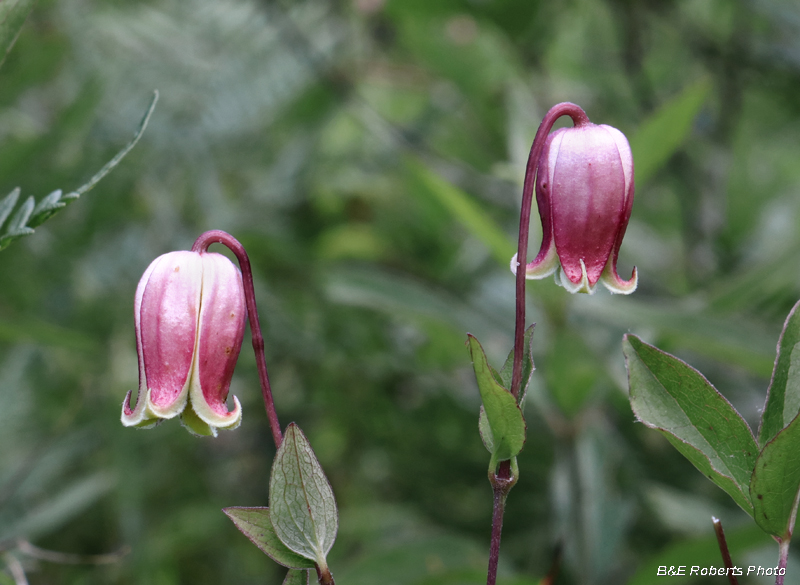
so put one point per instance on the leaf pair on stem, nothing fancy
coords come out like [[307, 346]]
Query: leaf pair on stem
[[501, 422], [761, 474], [502, 428], [299, 527]]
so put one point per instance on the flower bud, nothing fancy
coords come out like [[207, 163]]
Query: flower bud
[[584, 191], [189, 313]]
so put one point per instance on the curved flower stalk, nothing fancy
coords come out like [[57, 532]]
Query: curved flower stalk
[[583, 177], [584, 191], [190, 315]]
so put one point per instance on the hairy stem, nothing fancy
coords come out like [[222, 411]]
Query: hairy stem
[[723, 548], [219, 237], [783, 546], [502, 482], [579, 118], [324, 576]]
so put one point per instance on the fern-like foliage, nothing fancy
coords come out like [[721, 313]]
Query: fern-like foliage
[[31, 214]]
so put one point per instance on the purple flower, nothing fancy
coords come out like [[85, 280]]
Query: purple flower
[[190, 314], [584, 190]]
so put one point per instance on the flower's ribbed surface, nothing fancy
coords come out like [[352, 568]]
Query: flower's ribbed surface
[[189, 313], [584, 191]]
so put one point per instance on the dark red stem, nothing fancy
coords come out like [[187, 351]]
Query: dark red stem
[[723, 548], [324, 577], [219, 237], [579, 118], [502, 482]]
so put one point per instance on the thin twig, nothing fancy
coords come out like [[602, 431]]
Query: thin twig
[[16, 569], [723, 548], [219, 237], [121, 154], [68, 558]]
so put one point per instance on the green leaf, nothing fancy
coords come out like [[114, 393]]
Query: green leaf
[[464, 209], [506, 372], [46, 208], [16, 225], [303, 508], [662, 134], [783, 395], [297, 577], [20, 218], [255, 524], [668, 395], [485, 430], [775, 486], [29, 215], [12, 16], [503, 431], [7, 205]]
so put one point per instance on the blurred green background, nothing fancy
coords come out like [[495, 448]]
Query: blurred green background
[[370, 154]]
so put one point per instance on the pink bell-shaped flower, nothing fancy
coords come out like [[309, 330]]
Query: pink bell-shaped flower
[[584, 190], [189, 313]]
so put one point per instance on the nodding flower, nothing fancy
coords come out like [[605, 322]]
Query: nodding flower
[[584, 191], [190, 314]]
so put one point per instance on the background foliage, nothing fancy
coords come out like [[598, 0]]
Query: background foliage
[[369, 154]]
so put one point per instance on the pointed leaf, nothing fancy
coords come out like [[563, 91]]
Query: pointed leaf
[[16, 225], [28, 216], [504, 435], [6, 239], [670, 396], [19, 220], [46, 208], [297, 577], [485, 430], [783, 395], [301, 501], [255, 524], [528, 367], [12, 16], [7, 205], [775, 486]]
